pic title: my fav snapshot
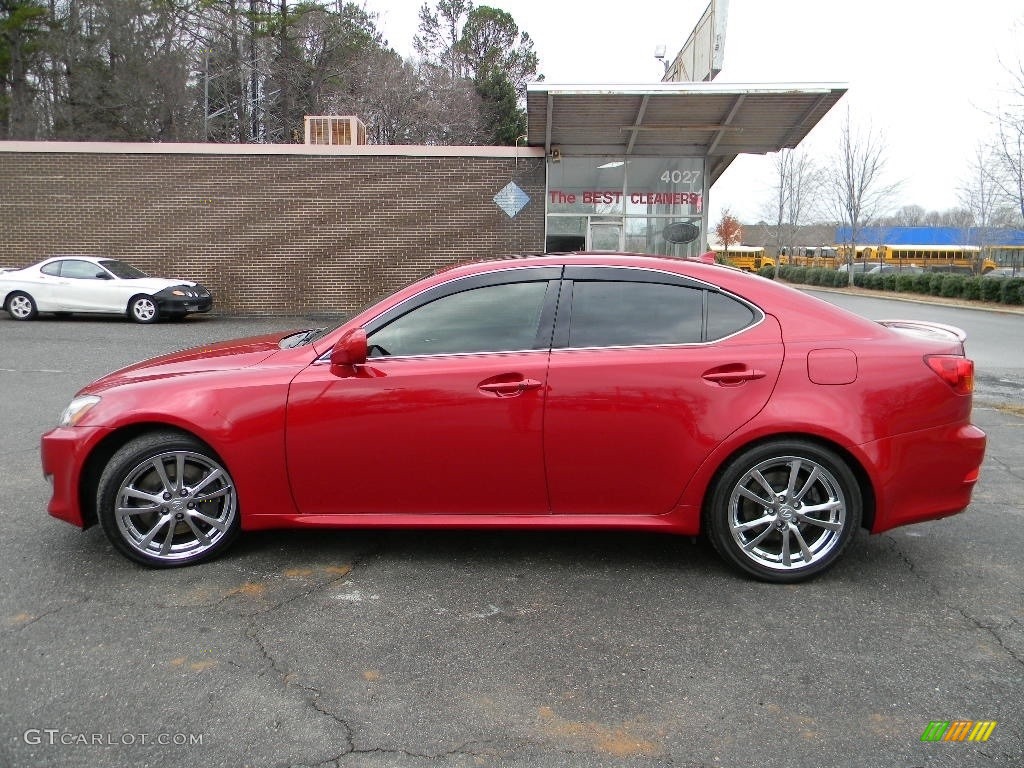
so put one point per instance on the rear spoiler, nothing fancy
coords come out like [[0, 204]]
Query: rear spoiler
[[926, 330]]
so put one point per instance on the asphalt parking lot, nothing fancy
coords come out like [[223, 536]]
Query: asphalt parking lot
[[364, 648]]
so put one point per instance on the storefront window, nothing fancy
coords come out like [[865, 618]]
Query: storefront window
[[665, 186], [585, 185], [600, 203]]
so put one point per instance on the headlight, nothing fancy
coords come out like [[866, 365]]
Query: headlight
[[77, 409]]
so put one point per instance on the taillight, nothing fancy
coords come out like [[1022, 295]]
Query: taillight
[[956, 371]]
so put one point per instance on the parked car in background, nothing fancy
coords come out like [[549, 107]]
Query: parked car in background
[[89, 284], [1005, 272], [675, 396], [885, 269], [858, 266]]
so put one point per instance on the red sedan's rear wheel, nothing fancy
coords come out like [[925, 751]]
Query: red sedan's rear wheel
[[165, 500], [784, 511]]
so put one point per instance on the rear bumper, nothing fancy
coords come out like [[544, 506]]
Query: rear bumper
[[925, 475], [63, 452]]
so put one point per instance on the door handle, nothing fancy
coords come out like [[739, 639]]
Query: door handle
[[509, 388], [732, 378]]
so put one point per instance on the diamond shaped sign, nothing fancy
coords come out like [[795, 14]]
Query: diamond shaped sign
[[511, 199]]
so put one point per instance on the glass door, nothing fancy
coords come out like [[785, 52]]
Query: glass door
[[604, 236]]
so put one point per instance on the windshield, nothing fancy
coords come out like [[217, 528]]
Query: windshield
[[123, 269]]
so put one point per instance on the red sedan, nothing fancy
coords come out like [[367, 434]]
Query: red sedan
[[582, 391]]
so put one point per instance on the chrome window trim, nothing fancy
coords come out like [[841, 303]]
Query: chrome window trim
[[326, 357]]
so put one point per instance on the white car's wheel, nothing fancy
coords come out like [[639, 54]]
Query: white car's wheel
[[21, 306], [142, 309]]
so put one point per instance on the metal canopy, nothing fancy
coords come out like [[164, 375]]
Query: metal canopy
[[712, 120]]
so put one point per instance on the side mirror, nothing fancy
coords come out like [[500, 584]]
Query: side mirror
[[103, 276], [349, 352]]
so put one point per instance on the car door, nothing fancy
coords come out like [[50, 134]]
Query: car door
[[43, 284], [649, 372], [84, 286], [445, 417]]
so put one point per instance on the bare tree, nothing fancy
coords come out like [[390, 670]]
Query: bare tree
[[909, 216], [858, 191], [798, 180], [1009, 145]]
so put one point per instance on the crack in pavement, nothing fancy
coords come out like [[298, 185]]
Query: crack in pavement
[[1006, 468], [462, 749], [288, 678], [976, 623]]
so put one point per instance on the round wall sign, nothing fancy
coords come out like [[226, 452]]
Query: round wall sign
[[681, 232]]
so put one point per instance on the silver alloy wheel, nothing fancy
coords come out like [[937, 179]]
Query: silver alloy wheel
[[21, 307], [143, 309], [787, 513], [175, 505]]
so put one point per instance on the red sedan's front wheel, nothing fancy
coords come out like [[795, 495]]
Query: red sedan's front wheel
[[165, 500]]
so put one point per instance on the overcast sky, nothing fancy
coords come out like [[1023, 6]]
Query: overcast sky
[[922, 72]]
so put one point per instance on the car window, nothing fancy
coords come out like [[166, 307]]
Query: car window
[[495, 318], [609, 313], [82, 270], [53, 268], [123, 269], [727, 316]]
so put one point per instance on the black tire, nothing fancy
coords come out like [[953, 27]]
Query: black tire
[[816, 509], [21, 306], [177, 522], [143, 309]]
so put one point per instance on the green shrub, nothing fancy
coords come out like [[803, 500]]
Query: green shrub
[[889, 281], [935, 283], [991, 289], [905, 282], [798, 274], [1012, 290], [840, 279], [952, 286], [873, 282], [767, 271], [971, 288], [921, 282]]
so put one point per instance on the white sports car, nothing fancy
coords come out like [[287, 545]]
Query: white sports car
[[90, 284]]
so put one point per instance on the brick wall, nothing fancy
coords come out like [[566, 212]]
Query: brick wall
[[269, 233]]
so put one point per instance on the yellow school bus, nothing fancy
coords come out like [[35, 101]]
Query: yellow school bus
[[1006, 255], [809, 256], [938, 258], [749, 258]]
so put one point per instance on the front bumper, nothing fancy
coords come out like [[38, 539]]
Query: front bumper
[[197, 299], [63, 452]]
